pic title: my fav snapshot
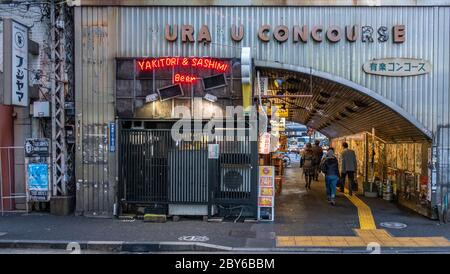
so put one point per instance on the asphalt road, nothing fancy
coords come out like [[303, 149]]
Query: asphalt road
[[298, 212], [45, 251]]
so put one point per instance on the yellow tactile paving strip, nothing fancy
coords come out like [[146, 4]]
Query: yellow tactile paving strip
[[366, 220], [368, 233], [361, 241]]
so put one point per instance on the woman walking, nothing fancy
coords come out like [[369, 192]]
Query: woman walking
[[330, 167], [307, 164]]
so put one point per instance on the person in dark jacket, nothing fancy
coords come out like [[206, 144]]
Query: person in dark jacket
[[318, 154], [307, 164], [330, 167], [348, 168]]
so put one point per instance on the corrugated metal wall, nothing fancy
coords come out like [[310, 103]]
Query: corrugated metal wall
[[96, 179], [105, 33]]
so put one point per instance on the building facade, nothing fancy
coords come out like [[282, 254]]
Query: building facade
[[17, 123], [338, 42], [373, 74]]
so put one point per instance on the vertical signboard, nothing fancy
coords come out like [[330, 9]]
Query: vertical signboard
[[264, 143], [19, 64], [246, 74], [112, 137], [266, 197], [15, 44]]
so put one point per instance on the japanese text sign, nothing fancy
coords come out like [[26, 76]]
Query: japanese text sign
[[15, 63], [397, 67], [264, 143], [266, 191], [19, 64]]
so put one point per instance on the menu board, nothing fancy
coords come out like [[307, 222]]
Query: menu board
[[266, 191], [264, 143]]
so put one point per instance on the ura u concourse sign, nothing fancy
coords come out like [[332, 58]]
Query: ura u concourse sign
[[296, 33]]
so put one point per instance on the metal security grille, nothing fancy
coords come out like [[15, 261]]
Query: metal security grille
[[156, 169], [189, 173], [443, 171], [144, 165]]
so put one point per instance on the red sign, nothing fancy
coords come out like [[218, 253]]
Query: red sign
[[265, 201], [181, 78], [194, 62]]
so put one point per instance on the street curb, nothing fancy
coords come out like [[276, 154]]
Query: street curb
[[172, 246], [116, 246], [37, 244], [119, 246]]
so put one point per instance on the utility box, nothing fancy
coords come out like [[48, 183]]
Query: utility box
[[62, 205], [41, 109]]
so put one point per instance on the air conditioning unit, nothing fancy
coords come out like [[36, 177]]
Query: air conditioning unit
[[138, 125], [235, 180]]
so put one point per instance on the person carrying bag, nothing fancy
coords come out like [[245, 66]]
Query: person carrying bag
[[330, 167]]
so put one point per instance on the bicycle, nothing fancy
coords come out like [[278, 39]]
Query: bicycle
[[286, 159]]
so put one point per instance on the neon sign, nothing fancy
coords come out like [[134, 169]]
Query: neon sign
[[147, 65], [181, 78]]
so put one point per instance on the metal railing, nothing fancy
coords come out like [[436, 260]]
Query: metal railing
[[8, 195]]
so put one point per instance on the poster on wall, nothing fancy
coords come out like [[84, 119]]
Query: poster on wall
[[266, 191], [38, 182], [213, 151], [37, 147]]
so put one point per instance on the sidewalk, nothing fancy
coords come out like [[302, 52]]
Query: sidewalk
[[418, 231], [299, 213], [47, 227]]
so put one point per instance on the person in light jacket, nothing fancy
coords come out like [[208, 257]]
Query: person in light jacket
[[348, 168], [307, 164], [330, 167]]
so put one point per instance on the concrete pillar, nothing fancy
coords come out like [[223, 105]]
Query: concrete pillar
[[35, 128], [22, 130], [7, 167]]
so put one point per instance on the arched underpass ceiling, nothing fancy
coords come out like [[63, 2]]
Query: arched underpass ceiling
[[338, 110]]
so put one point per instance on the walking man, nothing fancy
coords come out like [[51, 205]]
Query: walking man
[[318, 154], [330, 167], [348, 168]]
